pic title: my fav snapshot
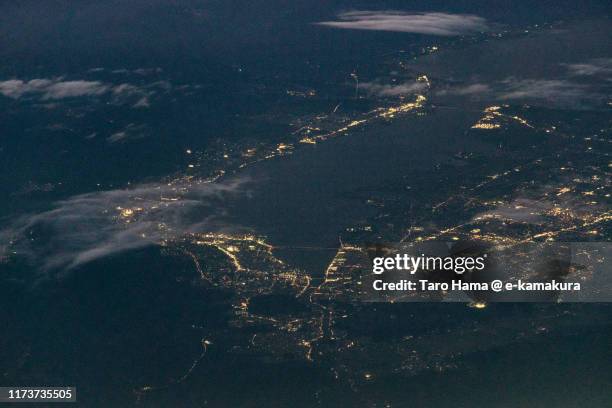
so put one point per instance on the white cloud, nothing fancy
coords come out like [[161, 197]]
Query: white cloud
[[540, 89], [89, 226], [442, 24], [131, 131], [51, 88], [15, 88], [143, 102], [600, 66], [57, 88], [560, 93], [115, 137], [72, 89], [379, 89], [473, 89]]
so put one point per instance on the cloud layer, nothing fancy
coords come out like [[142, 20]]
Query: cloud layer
[[54, 89], [442, 24], [566, 92], [559, 93], [51, 88], [541, 89], [94, 225], [379, 89], [599, 66]]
